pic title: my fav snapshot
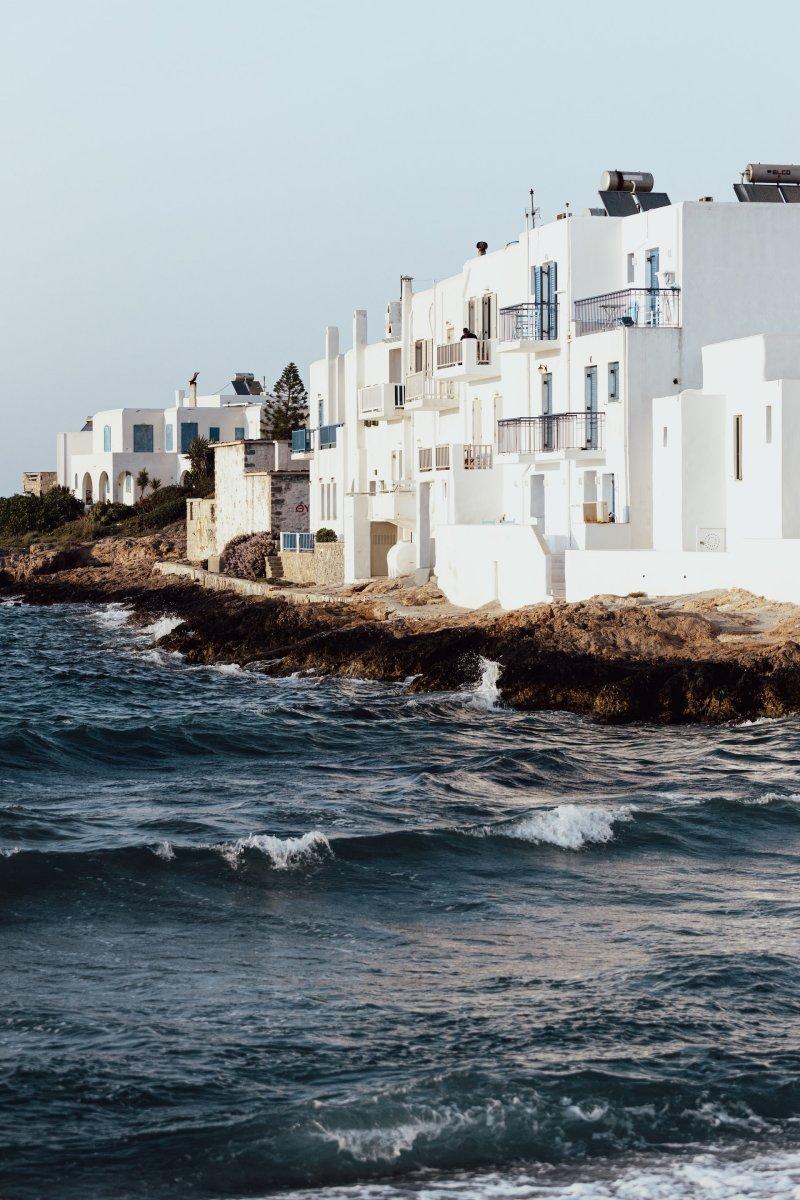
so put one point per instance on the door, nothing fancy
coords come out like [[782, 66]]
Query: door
[[590, 398], [383, 536], [652, 286], [548, 431]]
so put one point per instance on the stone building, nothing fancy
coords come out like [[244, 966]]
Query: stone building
[[258, 489], [38, 483]]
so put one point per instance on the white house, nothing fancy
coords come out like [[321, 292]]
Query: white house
[[524, 462], [101, 461]]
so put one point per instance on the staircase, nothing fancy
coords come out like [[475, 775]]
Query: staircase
[[274, 567], [558, 583]]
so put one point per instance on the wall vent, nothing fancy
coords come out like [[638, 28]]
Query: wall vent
[[712, 541]]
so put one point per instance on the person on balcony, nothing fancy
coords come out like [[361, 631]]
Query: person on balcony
[[467, 333]]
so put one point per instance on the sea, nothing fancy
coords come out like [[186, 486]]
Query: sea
[[306, 937]]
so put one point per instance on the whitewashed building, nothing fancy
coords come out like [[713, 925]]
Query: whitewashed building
[[101, 461], [525, 461]]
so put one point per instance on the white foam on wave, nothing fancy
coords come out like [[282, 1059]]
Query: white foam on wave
[[9, 851], [767, 798], [486, 694], [569, 826], [160, 628], [112, 616], [283, 853], [773, 1176], [164, 850]]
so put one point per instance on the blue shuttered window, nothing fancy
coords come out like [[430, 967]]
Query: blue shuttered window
[[169, 438], [106, 437], [239, 433], [143, 439], [188, 434], [213, 433]]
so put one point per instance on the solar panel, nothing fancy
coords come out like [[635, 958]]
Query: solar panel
[[791, 193], [758, 193], [648, 200], [240, 387], [619, 204]]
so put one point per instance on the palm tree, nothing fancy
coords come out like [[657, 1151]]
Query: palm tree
[[142, 480], [155, 484]]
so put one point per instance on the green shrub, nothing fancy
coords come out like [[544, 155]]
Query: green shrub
[[325, 535], [37, 514]]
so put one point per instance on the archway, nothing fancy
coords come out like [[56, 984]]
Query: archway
[[103, 491], [383, 535], [86, 489], [184, 480]]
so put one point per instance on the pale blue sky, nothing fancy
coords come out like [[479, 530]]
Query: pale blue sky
[[197, 185]]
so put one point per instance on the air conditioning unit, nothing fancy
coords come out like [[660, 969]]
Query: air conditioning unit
[[712, 541], [666, 278]]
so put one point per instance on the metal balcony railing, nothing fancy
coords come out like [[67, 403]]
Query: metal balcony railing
[[301, 441], [541, 435], [297, 542], [425, 458], [529, 322], [442, 457], [327, 436], [477, 458], [630, 306]]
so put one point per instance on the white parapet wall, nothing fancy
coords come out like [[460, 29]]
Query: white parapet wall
[[768, 567], [480, 564]]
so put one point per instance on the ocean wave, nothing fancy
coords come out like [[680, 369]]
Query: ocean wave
[[159, 628], [569, 826], [282, 853], [111, 616], [486, 693], [710, 1174]]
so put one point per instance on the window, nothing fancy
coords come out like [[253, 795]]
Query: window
[[106, 437], [547, 394], [143, 439], [664, 437], [537, 497], [737, 447], [169, 438], [128, 483], [631, 268], [333, 500], [213, 433], [321, 410], [238, 433], [591, 435], [545, 295], [613, 381], [768, 425], [188, 434], [76, 483]]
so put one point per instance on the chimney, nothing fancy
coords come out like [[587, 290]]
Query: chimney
[[193, 390], [405, 325]]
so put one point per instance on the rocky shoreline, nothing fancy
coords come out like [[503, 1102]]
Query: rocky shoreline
[[703, 659]]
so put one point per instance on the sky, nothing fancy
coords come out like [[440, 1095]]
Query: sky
[[191, 185]]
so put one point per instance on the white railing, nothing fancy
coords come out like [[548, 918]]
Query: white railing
[[297, 541], [370, 400], [477, 458], [420, 386], [442, 458], [450, 354], [425, 458]]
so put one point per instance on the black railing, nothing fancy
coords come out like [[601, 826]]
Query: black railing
[[541, 435], [529, 322], [630, 306]]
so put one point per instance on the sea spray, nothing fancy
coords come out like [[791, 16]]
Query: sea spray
[[282, 853], [486, 694]]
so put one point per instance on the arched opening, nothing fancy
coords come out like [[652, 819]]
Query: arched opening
[[124, 488], [184, 480], [86, 489], [383, 535], [103, 490]]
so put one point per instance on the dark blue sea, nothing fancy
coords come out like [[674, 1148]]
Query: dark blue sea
[[321, 938]]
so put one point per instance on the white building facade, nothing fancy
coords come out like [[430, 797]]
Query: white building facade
[[525, 461], [101, 462]]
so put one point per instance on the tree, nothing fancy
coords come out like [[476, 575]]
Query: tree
[[201, 459], [155, 484], [142, 480], [287, 408]]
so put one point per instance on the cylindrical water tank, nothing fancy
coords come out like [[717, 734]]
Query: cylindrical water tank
[[771, 173], [626, 181]]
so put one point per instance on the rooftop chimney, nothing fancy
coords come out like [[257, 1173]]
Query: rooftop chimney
[[193, 390]]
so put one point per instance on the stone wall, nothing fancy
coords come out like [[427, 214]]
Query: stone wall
[[201, 529], [252, 496], [323, 567], [38, 483]]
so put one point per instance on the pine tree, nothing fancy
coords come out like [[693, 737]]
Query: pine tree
[[287, 408]]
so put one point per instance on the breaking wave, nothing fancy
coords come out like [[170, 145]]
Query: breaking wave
[[569, 826], [282, 853]]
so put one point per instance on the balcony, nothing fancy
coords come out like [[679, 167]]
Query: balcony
[[477, 458], [327, 436], [301, 441], [648, 307], [562, 435], [381, 401], [422, 391], [529, 327], [467, 359], [393, 502]]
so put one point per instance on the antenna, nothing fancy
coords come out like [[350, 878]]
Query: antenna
[[532, 212]]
